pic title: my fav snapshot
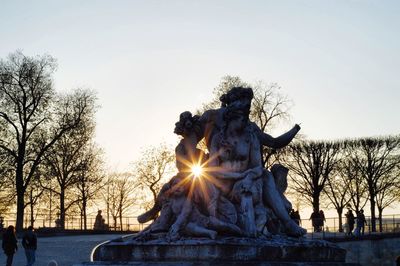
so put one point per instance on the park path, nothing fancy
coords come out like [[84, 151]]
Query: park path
[[66, 250]]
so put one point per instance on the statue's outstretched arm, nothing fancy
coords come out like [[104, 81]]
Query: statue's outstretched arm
[[278, 142], [207, 122]]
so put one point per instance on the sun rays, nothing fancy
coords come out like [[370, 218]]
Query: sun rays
[[198, 174], [197, 170]]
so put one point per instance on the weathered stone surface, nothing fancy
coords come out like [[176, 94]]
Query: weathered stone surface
[[276, 249], [231, 263], [232, 193], [233, 196], [373, 250]]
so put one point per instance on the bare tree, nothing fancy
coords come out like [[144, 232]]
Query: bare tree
[[33, 195], [48, 201], [387, 193], [7, 192], [121, 194], [375, 158], [89, 180], [311, 163], [337, 190], [357, 190], [153, 167], [27, 110], [66, 159], [269, 105]]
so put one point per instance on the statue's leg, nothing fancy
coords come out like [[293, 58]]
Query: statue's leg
[[160, 224], [197, 230], [224, 227], [150, 214], [163, 222], [153, 212], [272, 198], [226, 211]]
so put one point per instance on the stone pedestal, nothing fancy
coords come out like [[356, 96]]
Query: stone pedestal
[[223, 251]]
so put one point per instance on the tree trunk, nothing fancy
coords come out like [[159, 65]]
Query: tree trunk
[[315, 202], [31, 207], [380, 212], [108, 205], [20, 210], [154, 195], [50, 209], [120, 220], [62, 209], [84, 214], [20, 198], [81, 220], [340, 212], [115, 222], [372, 203]]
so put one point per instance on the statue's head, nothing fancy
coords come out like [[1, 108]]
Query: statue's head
[[236, 117], [187, 124], [239, 97]]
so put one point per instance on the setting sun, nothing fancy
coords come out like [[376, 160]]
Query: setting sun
[[196, 170]]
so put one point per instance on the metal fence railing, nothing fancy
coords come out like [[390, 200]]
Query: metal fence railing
[[330, 229], [129, 223], [390, 224]]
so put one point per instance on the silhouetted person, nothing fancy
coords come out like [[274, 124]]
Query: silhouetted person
[[361, 222], [29, 242], [58, 221], [9, 244], [291, 214], [315, 221], [1, 224], [350, 220], [321, 220], [100, 223], [295, 216]]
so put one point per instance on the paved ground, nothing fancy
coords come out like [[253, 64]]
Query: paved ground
[[66, 250]]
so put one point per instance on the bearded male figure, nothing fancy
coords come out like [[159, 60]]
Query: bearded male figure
[[212, 123]]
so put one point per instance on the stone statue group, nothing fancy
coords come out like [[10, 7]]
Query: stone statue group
[[235, 195]]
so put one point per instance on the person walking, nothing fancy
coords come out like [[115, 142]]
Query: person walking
[[322, 220], [29, 242], [9, 244], [1, 224], [361, 222], [315, 220], [350, 220]]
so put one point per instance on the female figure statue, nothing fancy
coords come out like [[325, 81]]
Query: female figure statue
[[183, 203]]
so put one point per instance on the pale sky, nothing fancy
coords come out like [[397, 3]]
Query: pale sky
[[149, 61]]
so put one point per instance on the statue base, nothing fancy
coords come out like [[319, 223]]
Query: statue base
[[277, 250]]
